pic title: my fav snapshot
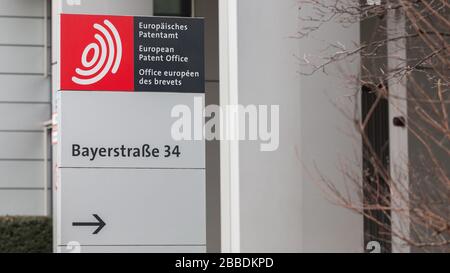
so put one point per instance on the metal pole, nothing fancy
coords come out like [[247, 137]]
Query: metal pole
[[47, 127], [193, 8], [45, 171]]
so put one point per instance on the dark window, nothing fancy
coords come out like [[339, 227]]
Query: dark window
[[172, 8], [377, 226]]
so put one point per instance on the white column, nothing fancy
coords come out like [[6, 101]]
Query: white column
[[398, 136], [229, 149]]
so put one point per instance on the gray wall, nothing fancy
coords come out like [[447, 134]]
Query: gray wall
[[282, 208], [330, 145], [270, 182], [24, 106]]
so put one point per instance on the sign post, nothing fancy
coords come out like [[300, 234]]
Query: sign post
[[123, 184]]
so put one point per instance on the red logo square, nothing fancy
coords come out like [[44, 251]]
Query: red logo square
[[97, 53]]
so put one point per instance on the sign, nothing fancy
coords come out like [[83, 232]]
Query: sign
[[145, 207], [124, 130], [124, 53], [123, 183]]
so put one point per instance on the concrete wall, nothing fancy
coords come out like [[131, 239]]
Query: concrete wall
[[270, 182], [24, 106], [281, 206], [329, 143]]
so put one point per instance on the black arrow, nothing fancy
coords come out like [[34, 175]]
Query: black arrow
[[99, 223]]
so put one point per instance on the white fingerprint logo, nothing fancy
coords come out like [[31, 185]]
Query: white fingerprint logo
[[106, 54]]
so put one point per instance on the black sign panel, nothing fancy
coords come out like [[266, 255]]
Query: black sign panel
[[169, 54]]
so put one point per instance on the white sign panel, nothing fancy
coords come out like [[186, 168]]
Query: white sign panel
[[127, 207], [111, 192], [119, 129]]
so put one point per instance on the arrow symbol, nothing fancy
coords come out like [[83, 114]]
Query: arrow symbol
[[99, 223]]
